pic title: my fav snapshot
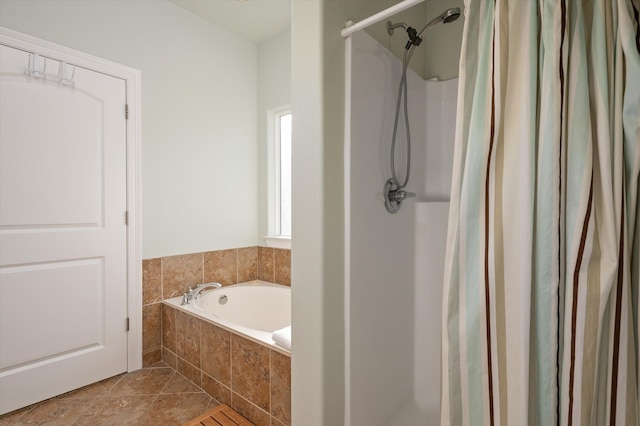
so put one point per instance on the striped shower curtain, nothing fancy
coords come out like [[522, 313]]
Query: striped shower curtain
[[541, 287]]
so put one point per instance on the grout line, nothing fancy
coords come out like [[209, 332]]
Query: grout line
[[231, 362], [251, 403], [270, 388], [273, 264], [116, 383], [148, 409], [16, 420], [161, 279], [162, 308], [167, 382], [81, 416]]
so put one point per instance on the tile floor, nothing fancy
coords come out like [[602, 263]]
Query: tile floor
[[152, 396]]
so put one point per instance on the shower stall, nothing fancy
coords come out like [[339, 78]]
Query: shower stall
[[394, 262]]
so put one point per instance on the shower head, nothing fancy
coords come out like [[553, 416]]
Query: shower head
[[445, 17], [450, 15], [415, 39]]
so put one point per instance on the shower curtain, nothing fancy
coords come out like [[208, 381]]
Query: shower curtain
[[541, 287]]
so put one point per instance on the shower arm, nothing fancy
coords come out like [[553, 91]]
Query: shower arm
[[391, 27]]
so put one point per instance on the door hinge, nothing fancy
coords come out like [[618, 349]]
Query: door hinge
[[127, 323], [126, 218], [126, 111]]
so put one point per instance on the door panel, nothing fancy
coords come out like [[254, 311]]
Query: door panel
[[37, 151], [63, 284], [38, 340]]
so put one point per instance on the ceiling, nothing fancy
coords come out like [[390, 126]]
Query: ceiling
[[254, 20]]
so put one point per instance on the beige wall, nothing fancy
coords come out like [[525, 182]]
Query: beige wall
[[199, 102]]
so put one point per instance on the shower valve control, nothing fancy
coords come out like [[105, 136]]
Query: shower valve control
[[394, 196], [400, 195]]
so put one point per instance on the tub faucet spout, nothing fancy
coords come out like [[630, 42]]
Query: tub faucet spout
[[193, 293]]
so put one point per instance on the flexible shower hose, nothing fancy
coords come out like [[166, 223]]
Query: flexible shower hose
[[402, 91]]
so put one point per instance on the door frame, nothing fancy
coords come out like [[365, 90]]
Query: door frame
[[132, 78]]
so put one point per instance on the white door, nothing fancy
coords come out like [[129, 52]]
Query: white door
[[63, 246]]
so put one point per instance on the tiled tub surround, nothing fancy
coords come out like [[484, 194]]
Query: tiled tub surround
[[167, 277], [256, 379], [251, 378]]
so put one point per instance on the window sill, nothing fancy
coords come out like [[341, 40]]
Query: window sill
[[278, 242]]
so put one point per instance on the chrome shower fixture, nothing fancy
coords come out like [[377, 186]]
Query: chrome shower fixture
[[394, 193], [411, 32], [394, 196], [450, 15], [391, 26], [415, 38], [445, 17]]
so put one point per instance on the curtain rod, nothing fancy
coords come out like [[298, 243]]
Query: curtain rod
[[373, 19]]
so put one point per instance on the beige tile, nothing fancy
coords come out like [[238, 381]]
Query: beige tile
[[152, 396], [152, 357], [249, 411], [188, 338], [266, 270], [250, 371], [123, 410], [13, 416], [217, 390], [94, 390], [247, 264], [221, 266], [148, 381], [151, 326], [281, 387], [216, 352], [55, 412], [180, 384], [176, 409], [275, 422], [190, 371], [169, 327], [179, 273], [213, 404], [282, 266], [151, 281], [169, 358]]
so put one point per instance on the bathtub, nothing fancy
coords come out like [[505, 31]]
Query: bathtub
[[253, 310]]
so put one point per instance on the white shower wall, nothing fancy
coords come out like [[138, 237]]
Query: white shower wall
[[395, 262]]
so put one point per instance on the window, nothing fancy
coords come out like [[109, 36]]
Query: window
[[279, 178], [283, 188]]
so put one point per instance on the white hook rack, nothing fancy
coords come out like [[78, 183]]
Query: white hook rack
[[61, 77]]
